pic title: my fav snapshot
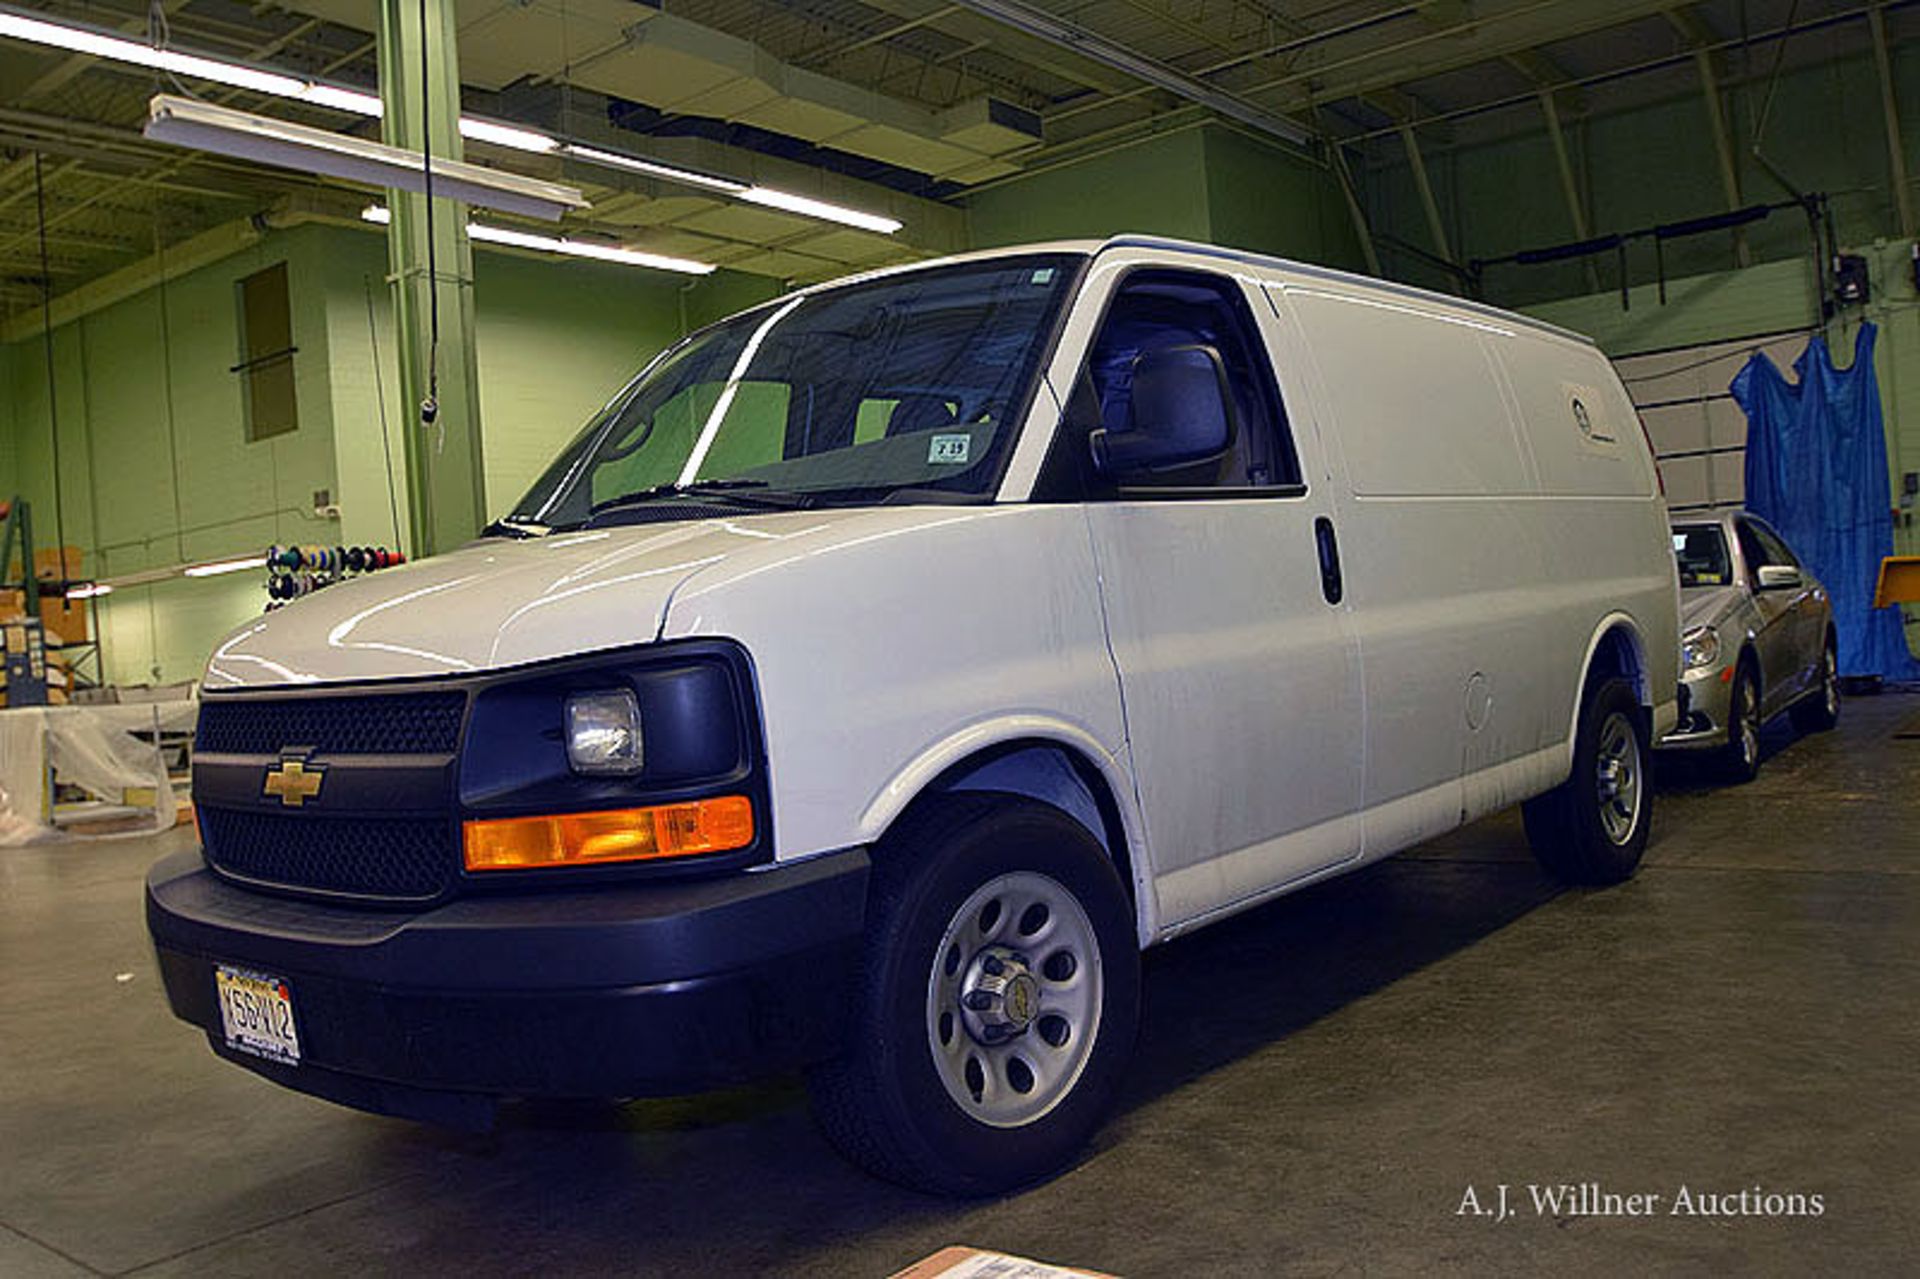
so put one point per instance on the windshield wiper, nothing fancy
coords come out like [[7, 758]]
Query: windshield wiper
[[723, 490], [513, 526], [894, 495]]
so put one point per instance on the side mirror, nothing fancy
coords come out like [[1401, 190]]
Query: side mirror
[[1181, 414], [1778, 577]]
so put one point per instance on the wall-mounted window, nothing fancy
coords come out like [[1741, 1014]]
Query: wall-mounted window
[[266, 354]]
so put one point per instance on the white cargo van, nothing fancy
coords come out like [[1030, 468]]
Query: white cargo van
[[884, 667]]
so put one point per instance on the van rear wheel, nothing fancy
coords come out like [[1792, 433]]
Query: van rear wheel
[[1592, 828], [997, 1002]]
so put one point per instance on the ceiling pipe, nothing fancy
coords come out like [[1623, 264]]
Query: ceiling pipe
[[1097, 48]]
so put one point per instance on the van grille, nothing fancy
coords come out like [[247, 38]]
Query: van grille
[[405, 859], [396, 724]]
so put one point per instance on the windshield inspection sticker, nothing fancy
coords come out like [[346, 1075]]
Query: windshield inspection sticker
[[951, 450]]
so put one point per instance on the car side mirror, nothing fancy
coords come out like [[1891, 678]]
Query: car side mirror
[[1181, 414], [1778, 577]]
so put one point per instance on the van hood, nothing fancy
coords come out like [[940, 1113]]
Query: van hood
[[499, 602]]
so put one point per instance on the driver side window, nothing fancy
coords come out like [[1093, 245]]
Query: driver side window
[[1164, 325]]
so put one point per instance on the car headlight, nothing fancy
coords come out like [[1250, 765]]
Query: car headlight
[[1700, 647], [603, 733]]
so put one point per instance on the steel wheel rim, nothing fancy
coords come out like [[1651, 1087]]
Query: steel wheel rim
[[1040, 1016], [1749, 715], [1618, 778], [1830, 678]]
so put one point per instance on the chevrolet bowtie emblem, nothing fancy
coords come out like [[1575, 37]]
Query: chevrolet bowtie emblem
[[293, 783]]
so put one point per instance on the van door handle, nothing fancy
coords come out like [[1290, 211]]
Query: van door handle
[[1330, 583]]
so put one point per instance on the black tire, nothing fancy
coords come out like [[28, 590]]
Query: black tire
[[887, 1105], [1819, 710], [1738, 762], [1566, 827]]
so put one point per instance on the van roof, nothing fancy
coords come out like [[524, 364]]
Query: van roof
[[1369, 282], [1289, 265]]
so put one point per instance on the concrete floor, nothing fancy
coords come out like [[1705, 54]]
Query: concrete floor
[[1318, 1084]]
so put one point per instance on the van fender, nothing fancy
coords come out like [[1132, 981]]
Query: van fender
[[1613, 622], [925, 771]]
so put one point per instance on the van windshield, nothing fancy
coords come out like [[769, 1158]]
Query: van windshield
[[905, 388], [1701, 550]]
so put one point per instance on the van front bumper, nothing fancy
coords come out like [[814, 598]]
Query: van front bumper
[[649, 989]]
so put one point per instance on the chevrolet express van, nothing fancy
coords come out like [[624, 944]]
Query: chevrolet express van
[[885, 667]]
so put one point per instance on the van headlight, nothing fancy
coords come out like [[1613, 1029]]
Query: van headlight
[[1700, 647], [603, 733]]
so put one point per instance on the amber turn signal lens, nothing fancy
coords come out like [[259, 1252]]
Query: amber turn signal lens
[[619, 835]]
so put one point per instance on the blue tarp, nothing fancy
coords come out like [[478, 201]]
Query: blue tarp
[[1817, 472]]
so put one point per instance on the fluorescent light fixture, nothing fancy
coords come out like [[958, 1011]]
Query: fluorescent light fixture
[[653, 168], [809, 207], [504, 135], [586, 249], [355, 101], [772, 197], [22, 25], [561, 244], [224, 131], [173, 572], [33, 29], [115, 48], [99, 44], [225, 566]]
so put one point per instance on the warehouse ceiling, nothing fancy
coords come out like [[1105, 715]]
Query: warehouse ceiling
[[898, 107]]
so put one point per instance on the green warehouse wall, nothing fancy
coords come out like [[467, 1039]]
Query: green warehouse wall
[[1264, 198], [1159, 185], [1656, 163], [1214, 184], [154, 466]]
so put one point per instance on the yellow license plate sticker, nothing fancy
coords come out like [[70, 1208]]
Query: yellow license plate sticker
[[256, 1012]]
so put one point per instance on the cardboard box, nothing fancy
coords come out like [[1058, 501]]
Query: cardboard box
[[57, 563], [64, 620], [13, 606]]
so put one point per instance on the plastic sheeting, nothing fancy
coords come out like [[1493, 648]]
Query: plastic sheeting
[[1817, 471], [92, 747]]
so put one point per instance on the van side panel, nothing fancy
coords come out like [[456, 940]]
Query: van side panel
[[886, 651], [1608, 535], [1444, 561]]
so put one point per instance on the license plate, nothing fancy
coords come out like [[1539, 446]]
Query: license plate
[[257, 1013]]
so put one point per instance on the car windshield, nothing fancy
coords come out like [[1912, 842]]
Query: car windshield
[[906, 387], [1701, 550]]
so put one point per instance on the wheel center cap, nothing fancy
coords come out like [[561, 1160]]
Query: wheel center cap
[[999, 996]]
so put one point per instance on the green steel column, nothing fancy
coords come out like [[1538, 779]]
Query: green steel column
[[445, 479]]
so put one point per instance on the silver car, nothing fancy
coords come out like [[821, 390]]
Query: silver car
[[1756, 638]]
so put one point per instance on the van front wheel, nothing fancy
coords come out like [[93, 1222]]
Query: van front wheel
[[997, 1001], [1592, 828]]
